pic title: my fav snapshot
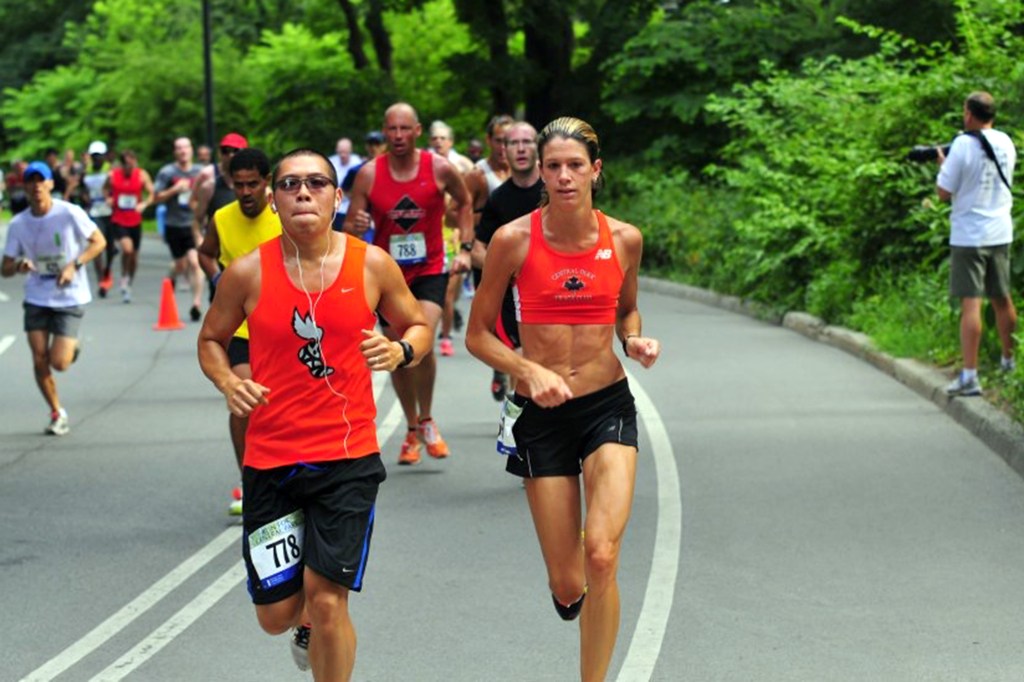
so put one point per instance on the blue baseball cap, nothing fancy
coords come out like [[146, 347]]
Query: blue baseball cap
[[37, 168]]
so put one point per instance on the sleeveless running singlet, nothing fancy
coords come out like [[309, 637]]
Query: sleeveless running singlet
[[407, 217], [493, 181], [126, 193], [222, 194], [568, 288], [305, 421], [239, 234]]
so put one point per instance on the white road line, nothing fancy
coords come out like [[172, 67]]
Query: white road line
[[4, 298], [6, 342], [128, 613], [173, 626], [387, 426], [645, 646]]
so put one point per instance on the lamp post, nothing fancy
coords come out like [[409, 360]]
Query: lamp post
[[208, 75]]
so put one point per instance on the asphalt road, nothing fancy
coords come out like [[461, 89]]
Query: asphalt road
[[799, 516]]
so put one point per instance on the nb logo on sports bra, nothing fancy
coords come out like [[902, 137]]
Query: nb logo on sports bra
[[603, 254]]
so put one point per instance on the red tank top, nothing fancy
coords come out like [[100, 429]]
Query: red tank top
[[306, 419], [126, 193], [568, 288], [407, 218]]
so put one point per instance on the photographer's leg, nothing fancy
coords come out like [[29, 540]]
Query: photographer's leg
[[1006, 323], [970, 331]]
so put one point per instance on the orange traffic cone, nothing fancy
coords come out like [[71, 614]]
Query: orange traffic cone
[[168, 319]]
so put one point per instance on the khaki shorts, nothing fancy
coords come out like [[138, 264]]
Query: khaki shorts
[[976, 272]]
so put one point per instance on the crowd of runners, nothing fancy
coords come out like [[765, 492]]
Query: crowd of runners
[[323, 269]]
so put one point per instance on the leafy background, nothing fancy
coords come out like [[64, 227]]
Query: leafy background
[[759, 144]]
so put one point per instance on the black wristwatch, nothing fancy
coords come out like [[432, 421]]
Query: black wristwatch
[[466, 246], [406, 352]]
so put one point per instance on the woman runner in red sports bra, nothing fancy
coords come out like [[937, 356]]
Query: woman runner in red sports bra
[[574, 273]]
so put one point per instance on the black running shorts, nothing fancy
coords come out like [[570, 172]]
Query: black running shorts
[[555, 441], [426, 288], [179, 240], [238, 351], [318, 515]]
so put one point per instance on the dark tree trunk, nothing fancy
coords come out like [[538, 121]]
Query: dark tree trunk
[[488, 22], [548, 50], [355, 35], [379, 35]]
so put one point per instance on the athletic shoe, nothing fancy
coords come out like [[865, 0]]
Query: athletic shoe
[[1007, 364], [58, 423], [457, 320], [410, 449], [436, 447], [447, 348], [963, 387], [195, 313], [106, 284], [235, 508], [126, 295], [300, 647], [499, 386]]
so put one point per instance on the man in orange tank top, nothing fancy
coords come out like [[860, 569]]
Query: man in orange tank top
[[404, 191], [312, 463]]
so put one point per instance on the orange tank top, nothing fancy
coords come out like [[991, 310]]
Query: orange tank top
[[321, 396], [568, 288]]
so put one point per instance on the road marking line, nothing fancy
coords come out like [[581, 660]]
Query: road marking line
[[4, 298], [6, 342], [173, 626], [138, 606], [645, 646], [390, 422]]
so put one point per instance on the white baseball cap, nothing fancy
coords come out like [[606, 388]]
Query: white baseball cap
[[98, 147]]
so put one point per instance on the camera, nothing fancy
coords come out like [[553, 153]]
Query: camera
[[927, 152]]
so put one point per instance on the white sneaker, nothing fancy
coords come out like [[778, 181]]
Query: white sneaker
[[1007, 364], [58, 423], [300, 647], [963, 387], [126, 294]]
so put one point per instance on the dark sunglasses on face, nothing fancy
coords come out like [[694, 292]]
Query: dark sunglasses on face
[[228, 151], [315, 183]]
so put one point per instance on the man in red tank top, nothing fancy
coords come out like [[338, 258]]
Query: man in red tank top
[[312, 464], [403, 192], [124, 189]]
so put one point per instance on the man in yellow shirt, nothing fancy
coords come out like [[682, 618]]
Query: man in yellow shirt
[[235, 230]]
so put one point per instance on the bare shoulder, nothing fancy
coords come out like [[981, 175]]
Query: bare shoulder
[[512, 237], [515, 230], [475, 177], [628, 234], [367, 171], [246, 265]]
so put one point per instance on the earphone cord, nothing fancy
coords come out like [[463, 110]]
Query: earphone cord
[[312, 318]]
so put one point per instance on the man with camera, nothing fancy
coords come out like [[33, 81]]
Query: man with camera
[[976, 177]]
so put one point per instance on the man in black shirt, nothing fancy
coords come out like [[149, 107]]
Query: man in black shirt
[[516, 197]]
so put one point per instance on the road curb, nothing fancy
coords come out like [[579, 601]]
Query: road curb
[[993, 427]]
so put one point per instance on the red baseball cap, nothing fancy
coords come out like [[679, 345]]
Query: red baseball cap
[[234, 140]]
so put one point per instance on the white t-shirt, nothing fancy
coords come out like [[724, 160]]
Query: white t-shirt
[[342, 170], [981, 202], [51, 242]]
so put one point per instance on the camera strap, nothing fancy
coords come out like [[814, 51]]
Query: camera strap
[[990, 153]]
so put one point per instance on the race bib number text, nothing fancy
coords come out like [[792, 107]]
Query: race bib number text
[[276, 549]]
